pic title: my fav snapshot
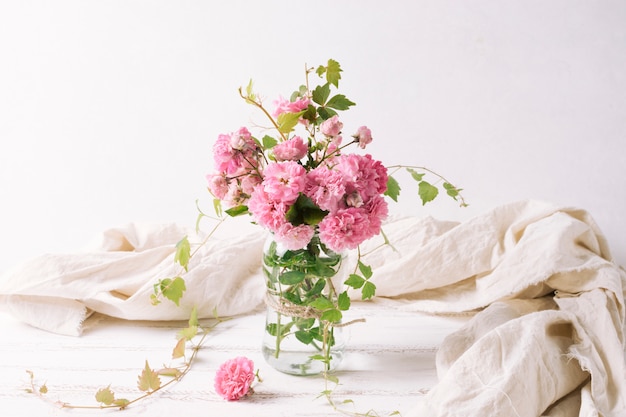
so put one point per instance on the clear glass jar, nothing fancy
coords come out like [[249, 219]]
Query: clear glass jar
[[303, 334]]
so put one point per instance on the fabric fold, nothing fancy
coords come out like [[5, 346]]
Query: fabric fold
[[546, 337]]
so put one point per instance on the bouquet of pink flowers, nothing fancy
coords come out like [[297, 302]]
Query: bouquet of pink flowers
[[297, 187]]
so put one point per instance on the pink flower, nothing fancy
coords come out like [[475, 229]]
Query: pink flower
[[236, 153], [285, 106], [284, 181], [267, 212], [294, 237], [218, 185], [363, 174], [293, 149], [363, 136], [234, 378], [331, 127], [325, 187], [345, 229]]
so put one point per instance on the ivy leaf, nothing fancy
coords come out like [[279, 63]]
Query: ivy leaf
[[121, 402], [187, 333], [393, 188], [193, 317], [321, 93], [183, 252], [340, 102], [105, 396], [452, 190], [333, 315], [366, 270], [354, 281], [173, 289], [171, 372], [269, 142], [368, 291], [333, 72], [287, 121], [343, 301], [179, 349], [427, 192], [416, 175], [148, 380], [291, 277]]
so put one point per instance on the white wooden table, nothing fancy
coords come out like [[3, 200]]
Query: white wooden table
[[389, 365]]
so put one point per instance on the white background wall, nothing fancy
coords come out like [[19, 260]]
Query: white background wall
[[109, 109]]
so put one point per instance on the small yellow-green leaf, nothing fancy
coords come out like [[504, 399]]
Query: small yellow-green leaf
[[105, 396], [179, 349], [148, 380], [43, 389], [173, 289], [333, 72], [287, 121], [416, 175], [193, 317], [171, 372], [183, 252], [122, 403], [427, 192], [188, 333]]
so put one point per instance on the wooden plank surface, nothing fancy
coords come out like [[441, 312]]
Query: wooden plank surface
[[389, 365]]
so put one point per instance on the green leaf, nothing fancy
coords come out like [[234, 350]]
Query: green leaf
[[333, 72], [339, 102], [148, 380], [171, 372], [354, 281], [317, 288], [217, 207], [173, 289], [321, 94], [291, 277], [326, 113], [427, 192], [183, 252], [304, 336], [332, 315], [237, 211], [366, 270], [269, 142], [416, 175], [343, 301], [368, 291], [452, 190], [393, 188], [105, 396], [322, 303], [287, 121]]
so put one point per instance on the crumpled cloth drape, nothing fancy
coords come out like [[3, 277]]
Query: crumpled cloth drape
[[546, 337]]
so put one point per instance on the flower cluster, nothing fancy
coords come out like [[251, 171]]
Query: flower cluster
[[297, 186]]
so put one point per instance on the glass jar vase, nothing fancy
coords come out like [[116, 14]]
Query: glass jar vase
[[303, 334]]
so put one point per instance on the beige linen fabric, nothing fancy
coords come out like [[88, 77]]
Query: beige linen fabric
[[546, 338]]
